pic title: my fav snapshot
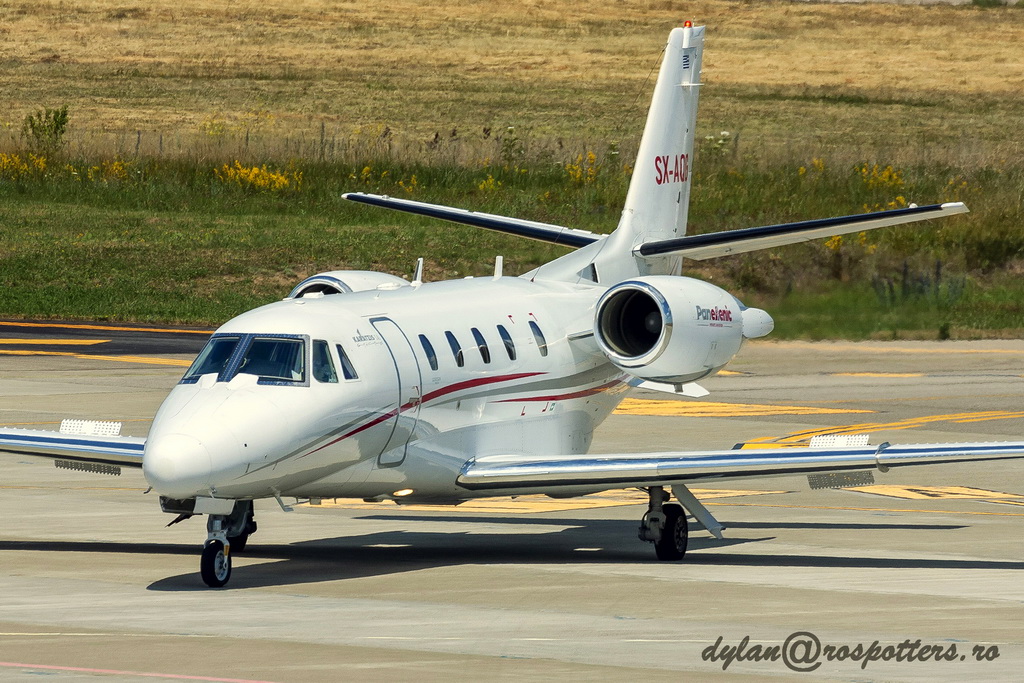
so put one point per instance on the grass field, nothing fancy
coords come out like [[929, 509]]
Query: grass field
[[207, 146]]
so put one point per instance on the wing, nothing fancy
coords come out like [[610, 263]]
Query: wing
[[714, 244], [545, 232], [91, 453], [662, 469]]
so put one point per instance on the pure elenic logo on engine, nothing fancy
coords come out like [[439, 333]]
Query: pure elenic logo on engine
[[715, 314]]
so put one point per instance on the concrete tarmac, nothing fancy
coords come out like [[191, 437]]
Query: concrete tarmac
[[94, 587]]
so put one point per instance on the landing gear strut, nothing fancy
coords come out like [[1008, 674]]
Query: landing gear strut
[[239, 540], [224, 534], [664, 524]]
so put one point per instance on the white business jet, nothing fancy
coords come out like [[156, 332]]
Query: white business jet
[[365, 385]]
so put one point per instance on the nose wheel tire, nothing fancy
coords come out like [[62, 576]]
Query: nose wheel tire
[[672, 543], [215, 564]]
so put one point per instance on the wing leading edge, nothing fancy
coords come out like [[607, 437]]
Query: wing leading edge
[[659, 469], [715, 244], [75, 448], [546, 232]]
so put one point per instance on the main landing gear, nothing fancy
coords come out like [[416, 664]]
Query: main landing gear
[[226, 533], [664, 524]]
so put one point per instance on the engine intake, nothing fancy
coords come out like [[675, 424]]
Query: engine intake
[[343, 282], [673, 329]]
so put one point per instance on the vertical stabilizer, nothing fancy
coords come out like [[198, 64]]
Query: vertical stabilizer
[[659, 191]]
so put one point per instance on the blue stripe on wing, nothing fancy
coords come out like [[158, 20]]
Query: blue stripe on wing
[[105, 450]]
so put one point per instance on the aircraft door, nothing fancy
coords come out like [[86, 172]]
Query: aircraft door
[[409, 391]]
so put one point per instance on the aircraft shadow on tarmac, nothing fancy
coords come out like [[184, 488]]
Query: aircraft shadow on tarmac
[[570, 541]]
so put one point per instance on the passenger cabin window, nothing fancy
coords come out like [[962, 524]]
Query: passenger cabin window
[[275, 359], [506, 338], [542, 344], [428, 349], [481, 345], [348, 371], [213, 359], [323, 366], [460, 360]]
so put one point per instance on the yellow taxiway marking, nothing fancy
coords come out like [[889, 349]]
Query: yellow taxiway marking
[[860, 509], [803, 437], [533, 504], [932, 492], [56, 342], [148, 360], [877, 374], [637, 406], [111, 328]]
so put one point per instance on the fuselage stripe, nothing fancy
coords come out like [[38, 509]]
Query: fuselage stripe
[[471, 383], [458, 386], [564, 397]]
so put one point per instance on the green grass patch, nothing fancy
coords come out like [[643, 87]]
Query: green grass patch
[[197, 241]]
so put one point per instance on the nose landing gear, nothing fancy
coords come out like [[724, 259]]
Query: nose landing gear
[[215, 564], [224, 534]]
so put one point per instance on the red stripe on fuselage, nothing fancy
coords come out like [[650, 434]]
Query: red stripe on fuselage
[[562, 397], [479, 381], [452, 388]]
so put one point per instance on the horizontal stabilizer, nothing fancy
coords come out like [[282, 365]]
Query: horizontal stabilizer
[[544, 232], [623, 470], [712, 245]]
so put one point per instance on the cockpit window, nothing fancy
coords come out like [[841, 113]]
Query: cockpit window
[[275, 360], [323, 366], [347, 369], [213, 359]]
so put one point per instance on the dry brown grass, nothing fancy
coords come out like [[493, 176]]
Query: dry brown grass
[[188, 73]]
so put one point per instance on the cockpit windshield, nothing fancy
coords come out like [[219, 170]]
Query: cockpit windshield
[[213, 358], [274, 359]]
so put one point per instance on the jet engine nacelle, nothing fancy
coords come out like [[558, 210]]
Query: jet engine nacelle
[[343, 282], [673, 329]]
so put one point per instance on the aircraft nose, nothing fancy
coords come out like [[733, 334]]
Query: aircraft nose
[[177, 465]]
